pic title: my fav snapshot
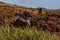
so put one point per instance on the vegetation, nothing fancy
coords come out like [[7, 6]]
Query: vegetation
[[44, 25], [7, 33]]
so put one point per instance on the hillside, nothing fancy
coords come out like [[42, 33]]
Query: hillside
[[44, 23], [47, 19]]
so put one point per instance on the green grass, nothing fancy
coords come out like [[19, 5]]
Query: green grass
[[7, 33]]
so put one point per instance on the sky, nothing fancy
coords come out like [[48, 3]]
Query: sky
[[49, 4]]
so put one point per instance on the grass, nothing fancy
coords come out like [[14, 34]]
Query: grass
[[13, 33]]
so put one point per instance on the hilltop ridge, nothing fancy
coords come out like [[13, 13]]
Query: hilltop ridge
[[15, 8]]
